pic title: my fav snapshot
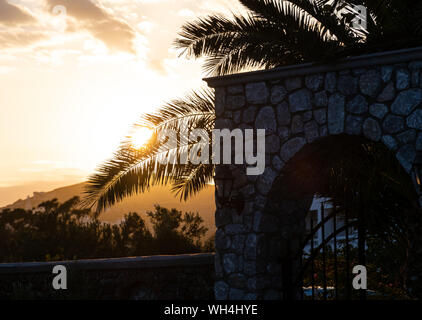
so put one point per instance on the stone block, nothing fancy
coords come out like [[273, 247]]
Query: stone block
[[278, 93], [370, 83], [266, 119], [314, 82], [257, 93], [393, 124], [358, 105], [354, 125], [283, 114], [300, 100], [372, 129], [291, 147], [407, 101], [336, 113], [378, 110]]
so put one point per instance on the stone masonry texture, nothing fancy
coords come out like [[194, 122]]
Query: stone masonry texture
[[378, 102], [182, 277]]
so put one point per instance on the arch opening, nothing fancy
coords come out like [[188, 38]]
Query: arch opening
[[371, 198]]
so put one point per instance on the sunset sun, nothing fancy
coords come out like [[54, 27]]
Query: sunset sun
[[140, 137], [211, 150]]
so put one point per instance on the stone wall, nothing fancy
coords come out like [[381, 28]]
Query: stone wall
[[140, 278], [378, 97]]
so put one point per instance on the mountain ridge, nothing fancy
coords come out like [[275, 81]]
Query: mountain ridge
[[203, 203]]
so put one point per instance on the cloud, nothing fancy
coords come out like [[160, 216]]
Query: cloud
[[186, 13], [13, 15], [19, 38], [16, 26], [115, 33], [138, 29], [161, 20]]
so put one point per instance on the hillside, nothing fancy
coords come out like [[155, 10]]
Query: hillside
[[202, 203]]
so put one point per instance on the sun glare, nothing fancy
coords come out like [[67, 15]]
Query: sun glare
[[140, 137]]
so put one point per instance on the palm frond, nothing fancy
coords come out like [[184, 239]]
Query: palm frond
[[133, 171], [273, 33], [250, 41], [313, 12], [191, 179]]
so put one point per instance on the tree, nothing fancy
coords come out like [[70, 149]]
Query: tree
[[271, 34], [372, 187], [132, 236], [136, 170], [364, 180], [56, 231], [175, 232], [275, 33]]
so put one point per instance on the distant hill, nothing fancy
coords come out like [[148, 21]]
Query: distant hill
[[202, 203]]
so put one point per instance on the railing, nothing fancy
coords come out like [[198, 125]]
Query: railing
[[179, 277], [327, 262]]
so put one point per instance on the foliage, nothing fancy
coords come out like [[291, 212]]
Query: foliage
[[373, 187], [136, 170], [56, 231], [176, 232], [272, 33], [365, 181], [385, 282]]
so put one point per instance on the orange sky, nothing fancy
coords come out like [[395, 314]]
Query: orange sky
[[73, 81]]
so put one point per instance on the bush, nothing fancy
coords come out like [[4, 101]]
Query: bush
[[56, 231]]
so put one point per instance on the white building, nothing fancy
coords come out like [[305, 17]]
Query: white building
[[314, 216]]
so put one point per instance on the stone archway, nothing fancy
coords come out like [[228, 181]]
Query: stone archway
[[292, 193], [378, 97]]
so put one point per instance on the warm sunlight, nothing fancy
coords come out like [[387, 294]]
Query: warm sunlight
[[211, 150], [140, 137]]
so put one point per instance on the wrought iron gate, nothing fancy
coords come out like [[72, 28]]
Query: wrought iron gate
[[335, 242]]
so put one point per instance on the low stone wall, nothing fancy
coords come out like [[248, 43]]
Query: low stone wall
[[138, 278]]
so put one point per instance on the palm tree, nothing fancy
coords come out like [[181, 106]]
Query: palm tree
[[271, 34], [275, 33], [135, 170]]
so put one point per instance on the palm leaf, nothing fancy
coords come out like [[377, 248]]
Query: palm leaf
[[314, 13], [273, 33], [191, 179], [133, 171], [254, 41]]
